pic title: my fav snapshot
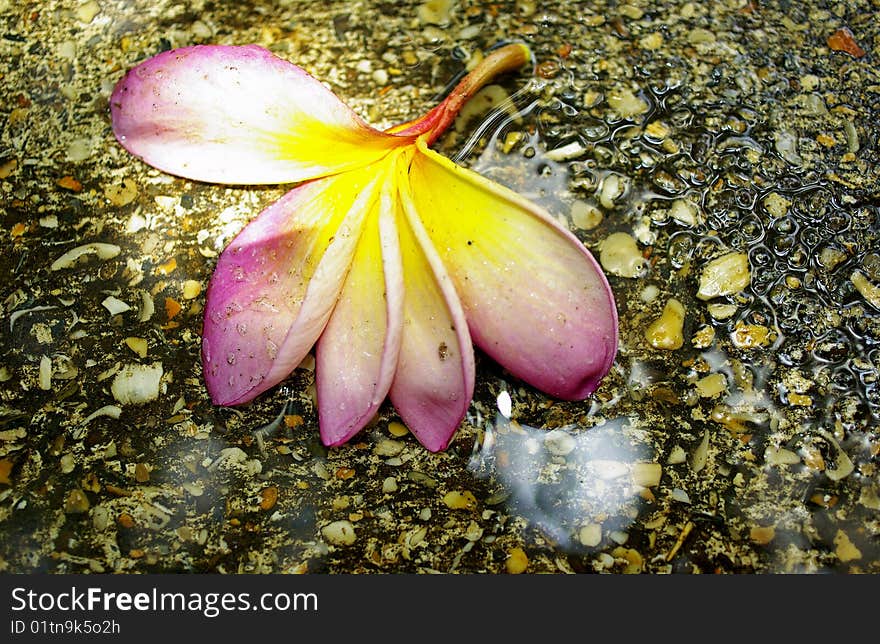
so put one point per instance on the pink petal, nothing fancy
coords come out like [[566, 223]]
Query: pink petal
[[275, 285], [357, 353], [434, 383], [535, 298], [240, 115]]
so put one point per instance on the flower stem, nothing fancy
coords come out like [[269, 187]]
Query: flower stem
[[500, 61]]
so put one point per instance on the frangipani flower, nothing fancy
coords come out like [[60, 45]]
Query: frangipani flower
[[387, 258]]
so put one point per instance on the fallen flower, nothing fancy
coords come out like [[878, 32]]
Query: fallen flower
[[388, 258]]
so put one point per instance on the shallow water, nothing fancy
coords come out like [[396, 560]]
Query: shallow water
[[753, 447]]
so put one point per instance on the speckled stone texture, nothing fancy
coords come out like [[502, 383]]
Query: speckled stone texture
[[736, 433]]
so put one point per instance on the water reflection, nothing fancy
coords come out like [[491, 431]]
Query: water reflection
[[581, 486]]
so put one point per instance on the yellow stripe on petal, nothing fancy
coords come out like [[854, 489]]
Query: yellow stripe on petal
[[434, 383], [534, 297], [239, 115], [275, 285], [358, 350]]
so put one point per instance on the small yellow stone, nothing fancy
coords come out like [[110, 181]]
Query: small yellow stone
[[749, 336], [397, 429], [620, 255], [826, 140], [666, 332], [776, 204], [800, 400], [517, 561], [657, 130], [76, 502], [647, 474], [584, 215], [510, 141], [725, 275], [122, 193], [868, 290], [191, 289], [704, 337], [625, 103], [711, 385], [138, 345], [845, 549], [652, 41], [762, 535], [458, 500]]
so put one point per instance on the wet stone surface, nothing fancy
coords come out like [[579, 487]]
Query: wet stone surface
[[725, 165]]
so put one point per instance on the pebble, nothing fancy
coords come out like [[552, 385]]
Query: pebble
[[191, 289], [138, 345], [517, 561], [776, 204], [388, 447], [749, 336], [684, 212], [72, 257], [397, 429], [725, 275], [45, 373], [680, 495], [559, 442], [268, 497], [613, 187], [76, 502], [435, 12], [647, 474], [115, 305], [711, 385], [619, 255], [703, 337], [68, 463], [473, 532], [200, 30], [122, 193], [79, 150], [868, 290], [677, 455], [652, 41], [584, 215], [339, 533], [786, 145], [566, 152], [626, 103], [137, 384], [87, 11], [141, 473], [780, 456], [590, 535], [458, 500], [7, 168], [389, 485], [67, 50], [667, 331], [844, 548], [762, 535]]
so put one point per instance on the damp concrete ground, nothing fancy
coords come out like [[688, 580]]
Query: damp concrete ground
[[736, 433]]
